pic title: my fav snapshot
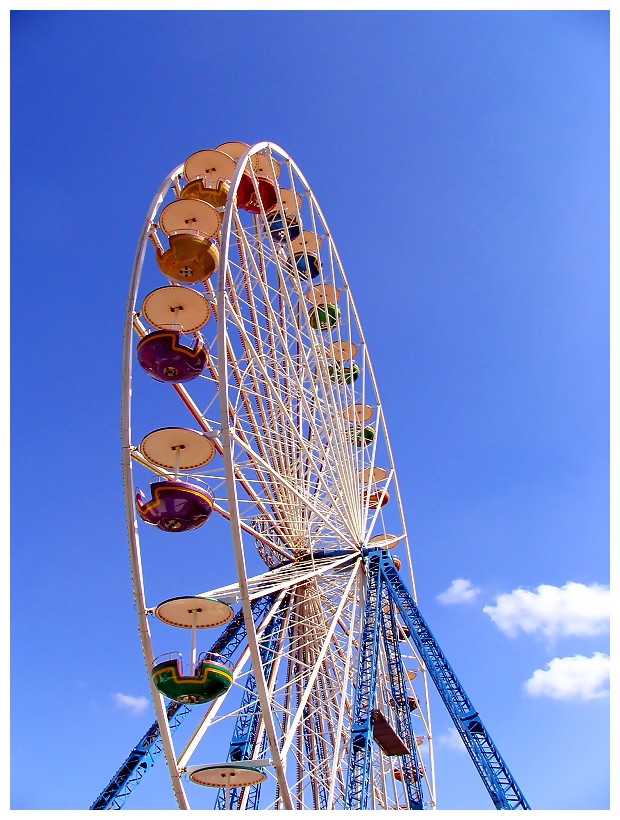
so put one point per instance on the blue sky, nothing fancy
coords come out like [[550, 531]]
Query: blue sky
[[462, 162]]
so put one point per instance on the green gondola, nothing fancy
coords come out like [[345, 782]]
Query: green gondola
[[211, 680], [362, 435], [343, 373], [323, 317]]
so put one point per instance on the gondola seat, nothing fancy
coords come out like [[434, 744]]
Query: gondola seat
[[362, 435], [249, 200], [313, 265], [277, 226], [175, 506], [211, 678], [322, 317], [214, 193], [164, 358], [190, 258], [377, 498], [343, 373]]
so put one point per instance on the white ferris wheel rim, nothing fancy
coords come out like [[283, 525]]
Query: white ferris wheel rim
[[244, 164]]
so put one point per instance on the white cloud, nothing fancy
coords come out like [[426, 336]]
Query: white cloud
[[451, 740], [131, 704], [574, 609], [460, 592], [573, 678]]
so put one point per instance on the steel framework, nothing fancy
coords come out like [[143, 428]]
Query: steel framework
[[323, 642], [385, 598]]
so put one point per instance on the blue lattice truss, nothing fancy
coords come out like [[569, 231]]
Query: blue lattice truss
[[383, 583], [249, 718], [386, 598], [410, 764], [146, 752]]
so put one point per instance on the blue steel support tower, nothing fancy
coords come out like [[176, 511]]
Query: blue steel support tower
[[382, 576], [358, 777]]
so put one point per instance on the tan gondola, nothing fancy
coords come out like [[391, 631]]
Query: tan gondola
[[190, 226], [411, 702], [196, 611], [311, 242], [373, 475], [234, 149], [384, 542], [398, 776], [208, 175], [323, 295], [376, 499], [265, 167], [175, 308], [341, 351], [291, 202], [191, 218], [238, 775], [358, 413]]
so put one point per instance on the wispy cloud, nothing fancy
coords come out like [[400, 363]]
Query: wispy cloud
[[460, 592], [574, 609], [130, 703], [573, 678], [451, 740]]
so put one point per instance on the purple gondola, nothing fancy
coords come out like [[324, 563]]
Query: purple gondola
[[164, 358], [175, 506]]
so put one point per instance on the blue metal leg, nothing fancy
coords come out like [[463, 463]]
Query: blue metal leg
[[495, 775], [410, 766], [360, 751]]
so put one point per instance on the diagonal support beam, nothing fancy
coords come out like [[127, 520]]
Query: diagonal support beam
[[360, 751], [491, 767], [410, 763], [249, 717]]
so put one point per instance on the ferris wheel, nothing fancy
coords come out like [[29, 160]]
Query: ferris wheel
[[320, 676]]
